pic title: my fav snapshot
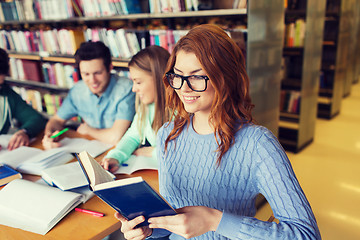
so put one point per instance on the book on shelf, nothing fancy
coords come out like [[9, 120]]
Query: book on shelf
[[32, 70], [35, 207], [136, 163], [131, 197], [8, 174]]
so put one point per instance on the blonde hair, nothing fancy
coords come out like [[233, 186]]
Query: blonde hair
[[152, 59]]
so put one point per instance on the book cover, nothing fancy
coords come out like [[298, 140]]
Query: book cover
[[132, 197], [7, 174], [32, 70]]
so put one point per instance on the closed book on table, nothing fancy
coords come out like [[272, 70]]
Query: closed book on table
[[131, 197], [7, 174]]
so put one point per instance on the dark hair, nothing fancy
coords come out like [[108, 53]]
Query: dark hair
[[4, 62], [93, 50], [153, 59], [224, 64]]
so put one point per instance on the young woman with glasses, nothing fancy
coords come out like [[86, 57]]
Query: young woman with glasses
[[146, 68], [214, 161]]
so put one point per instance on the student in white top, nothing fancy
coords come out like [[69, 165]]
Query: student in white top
[[146, 68]]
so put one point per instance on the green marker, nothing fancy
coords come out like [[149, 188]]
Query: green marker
[[59, 133]]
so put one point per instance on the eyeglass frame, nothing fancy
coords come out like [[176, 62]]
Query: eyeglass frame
[[185, 78]]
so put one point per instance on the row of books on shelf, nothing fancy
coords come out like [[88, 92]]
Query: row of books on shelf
[[42, 102], [54, 41], [326, 80], [290, 101], [59, 74], [295, 33], [62, 75], [123, 43], [17, 10]]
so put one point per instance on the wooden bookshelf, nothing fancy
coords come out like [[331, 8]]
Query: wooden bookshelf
[[336, 68], [263, 49], [356, 42], [301, 75], [139, 16]]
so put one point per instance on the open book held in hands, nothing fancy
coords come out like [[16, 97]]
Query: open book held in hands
[[131, 197]]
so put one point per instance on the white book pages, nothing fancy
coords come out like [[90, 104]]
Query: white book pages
[[34, 207]]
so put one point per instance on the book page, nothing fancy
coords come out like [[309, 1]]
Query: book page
[[15, 157], [4, 141], [77, 145], [65, 177], [45, 159], [135, 163], [34, 207], [95, 172]]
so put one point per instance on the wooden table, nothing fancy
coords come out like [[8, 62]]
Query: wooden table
[[78, 225]]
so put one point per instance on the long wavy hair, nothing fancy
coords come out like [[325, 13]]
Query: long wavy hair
[[153, 60], [224, 63]]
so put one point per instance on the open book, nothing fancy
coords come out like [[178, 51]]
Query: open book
[[35, 207], [33, 160], [135, 163], [93, 147], [132, 197], [66, 177]]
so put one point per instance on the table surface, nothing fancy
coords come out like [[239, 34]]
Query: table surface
[[77, 225]]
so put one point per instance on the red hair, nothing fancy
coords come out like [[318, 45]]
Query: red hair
[[224, 63]]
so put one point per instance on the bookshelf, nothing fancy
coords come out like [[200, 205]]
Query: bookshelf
[[356, 37], [335, 66], [260, 22], [301, 70]]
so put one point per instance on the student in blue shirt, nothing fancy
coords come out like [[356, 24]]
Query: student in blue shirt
[[146, 68], [214, 160], [104, 101]]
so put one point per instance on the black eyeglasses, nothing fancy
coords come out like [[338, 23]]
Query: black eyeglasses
[[196, 83]]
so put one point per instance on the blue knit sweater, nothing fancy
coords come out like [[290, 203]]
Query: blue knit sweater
[[256, 163]]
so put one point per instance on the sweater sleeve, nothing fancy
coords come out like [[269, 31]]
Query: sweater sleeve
[[28, 117], [127, 144], [275, 179]]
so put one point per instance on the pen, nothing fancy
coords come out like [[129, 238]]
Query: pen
[[124, 164], [59, 133], [96, 214]]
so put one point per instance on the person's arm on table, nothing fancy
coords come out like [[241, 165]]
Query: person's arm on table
[[54, 125], [107, 135], [18, 139], [31, 122]]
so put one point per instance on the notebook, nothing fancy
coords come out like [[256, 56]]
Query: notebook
[[35, 207]]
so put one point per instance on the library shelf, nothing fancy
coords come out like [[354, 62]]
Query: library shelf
[[336, 58], [302, 70], [264, 38]]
